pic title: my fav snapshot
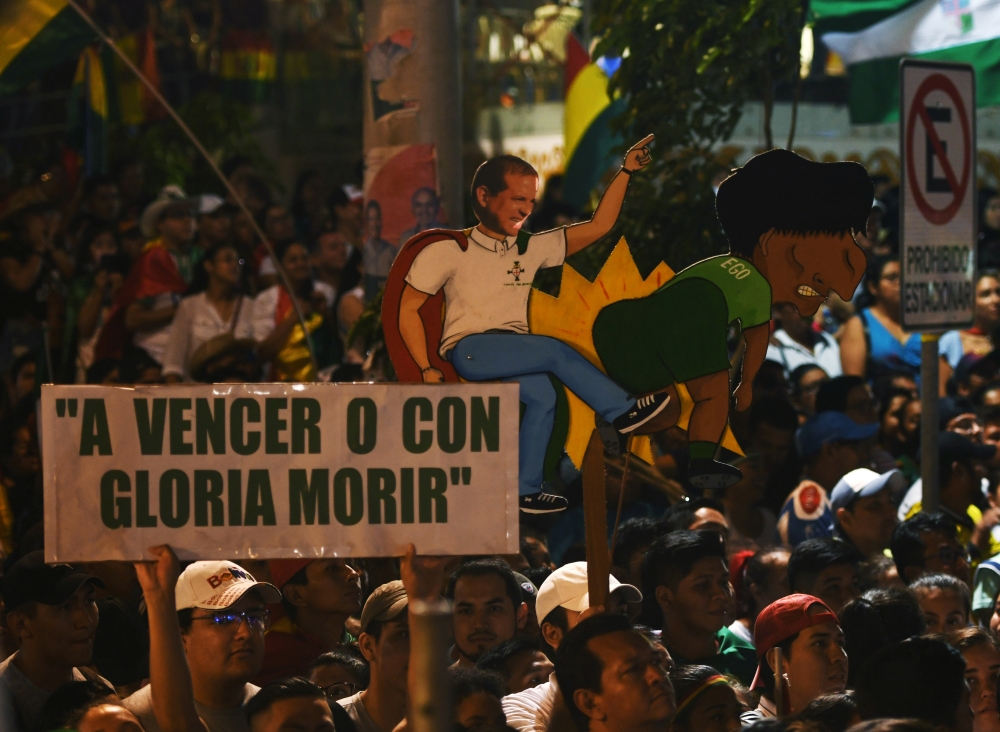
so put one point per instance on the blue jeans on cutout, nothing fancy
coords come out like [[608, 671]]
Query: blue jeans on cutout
[[528, 360]]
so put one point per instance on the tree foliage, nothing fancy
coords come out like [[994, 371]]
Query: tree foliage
[[688, 68], [223, 126]]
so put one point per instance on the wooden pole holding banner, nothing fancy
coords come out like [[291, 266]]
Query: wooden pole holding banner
[[431, 636], [211, 163], [595, 510]]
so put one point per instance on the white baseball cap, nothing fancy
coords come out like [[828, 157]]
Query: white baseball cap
[[216, 585], [567, 587]]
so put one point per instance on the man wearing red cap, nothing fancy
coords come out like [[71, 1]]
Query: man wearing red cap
[[807, 636], [318, 596]]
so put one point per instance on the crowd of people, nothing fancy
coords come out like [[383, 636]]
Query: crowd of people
[[813, 594]]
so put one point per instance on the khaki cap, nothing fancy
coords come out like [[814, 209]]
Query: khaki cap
[[384, 604]]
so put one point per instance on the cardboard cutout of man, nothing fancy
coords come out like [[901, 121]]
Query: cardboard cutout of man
[[485, 276], [790, 224]]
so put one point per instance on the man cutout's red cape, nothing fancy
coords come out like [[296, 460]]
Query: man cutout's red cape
[[431, 312]]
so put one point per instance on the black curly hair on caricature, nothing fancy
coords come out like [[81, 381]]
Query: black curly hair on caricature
[[783, 191]]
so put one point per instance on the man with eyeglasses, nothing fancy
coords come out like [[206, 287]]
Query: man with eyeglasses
[[340, 673], [146, 303], [206, 636], [961, 471], [928, 544]]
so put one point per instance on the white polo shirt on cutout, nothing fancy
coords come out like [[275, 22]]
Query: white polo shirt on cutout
[[487, 286]]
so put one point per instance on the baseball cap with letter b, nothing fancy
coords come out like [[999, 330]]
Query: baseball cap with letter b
[[217, 585]]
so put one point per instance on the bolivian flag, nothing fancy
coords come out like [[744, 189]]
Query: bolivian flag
[[871, 36], [36, 35], [588, 141], [89, 103]]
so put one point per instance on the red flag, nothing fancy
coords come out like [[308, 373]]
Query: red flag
[[152, 274]]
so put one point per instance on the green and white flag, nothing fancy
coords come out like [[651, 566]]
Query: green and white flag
[[871, 37]]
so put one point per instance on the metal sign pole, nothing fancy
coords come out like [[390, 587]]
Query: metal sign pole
[[931, 497], [937, 145]]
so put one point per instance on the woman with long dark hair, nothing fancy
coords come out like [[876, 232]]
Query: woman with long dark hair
[[979, 338], [215, 307], [874, 340]]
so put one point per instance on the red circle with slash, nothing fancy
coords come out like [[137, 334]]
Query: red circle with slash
[[959, 184]]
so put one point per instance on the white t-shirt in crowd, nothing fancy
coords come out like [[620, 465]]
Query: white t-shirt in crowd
[[262, 313], [531, 710], [487, 286], [741, 631], [196, 322], [355, 709], [217, 720], [154, 342], [791, 354]]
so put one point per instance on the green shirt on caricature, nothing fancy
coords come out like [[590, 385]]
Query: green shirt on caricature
[[678, 333]]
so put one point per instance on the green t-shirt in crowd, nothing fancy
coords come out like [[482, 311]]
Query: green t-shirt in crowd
[[734, 657]]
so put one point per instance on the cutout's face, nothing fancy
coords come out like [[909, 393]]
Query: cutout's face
[[804, 269], [506, 212]]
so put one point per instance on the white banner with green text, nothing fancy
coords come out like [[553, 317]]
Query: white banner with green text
[[234, 471]]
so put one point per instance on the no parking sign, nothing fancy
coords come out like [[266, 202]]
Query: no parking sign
[[938, 193]]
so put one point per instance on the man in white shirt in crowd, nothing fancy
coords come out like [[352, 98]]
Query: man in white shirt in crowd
[[486, 335], [563, 601], [206, 641], [385, 643], [795, 342]]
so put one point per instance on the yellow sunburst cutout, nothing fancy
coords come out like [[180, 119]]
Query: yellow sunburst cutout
[[570, 318]]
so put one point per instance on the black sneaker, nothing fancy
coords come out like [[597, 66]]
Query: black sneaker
[[708, 475], [542, 503], [614, 441], [644, 409]]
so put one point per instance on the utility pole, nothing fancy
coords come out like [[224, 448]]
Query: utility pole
[[428, 78]]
